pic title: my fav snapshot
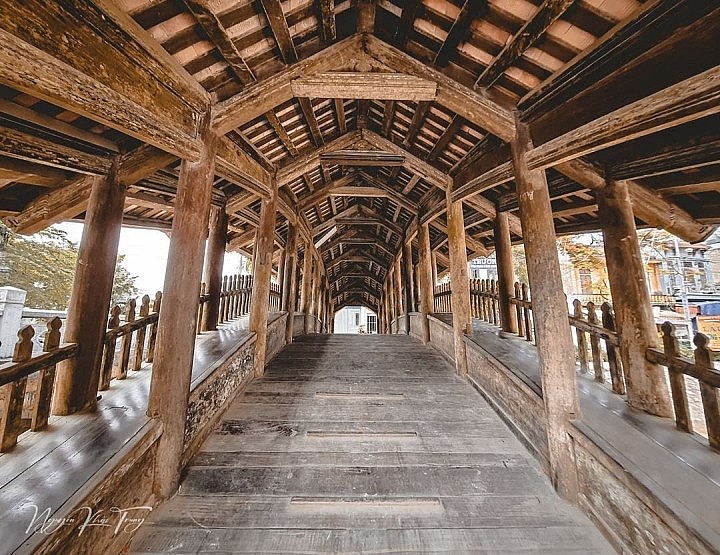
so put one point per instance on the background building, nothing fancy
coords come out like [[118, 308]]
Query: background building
[[355, 319]]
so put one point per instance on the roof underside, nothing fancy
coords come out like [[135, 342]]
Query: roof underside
[[355, 172]]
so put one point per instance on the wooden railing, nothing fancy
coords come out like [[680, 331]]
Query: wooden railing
[[443, 298], [26, 383], [116, 362], [235, 297], [603, 342], [275, 297], [599, 298], [702, 370], [523, 311], [484, 300]]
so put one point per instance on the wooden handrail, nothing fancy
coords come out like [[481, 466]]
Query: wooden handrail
[[12, 371]]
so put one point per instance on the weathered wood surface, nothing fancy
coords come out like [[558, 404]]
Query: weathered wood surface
[[364, 455]]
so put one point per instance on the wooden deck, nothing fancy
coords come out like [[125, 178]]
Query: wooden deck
[[364, 444], [48, 469]]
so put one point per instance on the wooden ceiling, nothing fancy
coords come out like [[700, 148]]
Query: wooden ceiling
[[298, 92]]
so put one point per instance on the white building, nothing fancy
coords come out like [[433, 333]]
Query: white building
[[355, 319]]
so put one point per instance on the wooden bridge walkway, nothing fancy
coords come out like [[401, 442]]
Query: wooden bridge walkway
[[359, 444]]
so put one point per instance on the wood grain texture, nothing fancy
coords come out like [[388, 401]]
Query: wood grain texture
[[311, 458]]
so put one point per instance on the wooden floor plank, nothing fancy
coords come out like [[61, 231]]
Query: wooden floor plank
[[353, 444]]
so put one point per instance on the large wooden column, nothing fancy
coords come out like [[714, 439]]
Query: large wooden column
[[392, 296], [77, 380], [282, 259], [550, 312], [459, 283], [646, 386], [433, 266], [175, 342], [260, 300], [217, 239], [407, 271], [399, 289], [289, 292], [425, 285], [506, 278], [306, 287]]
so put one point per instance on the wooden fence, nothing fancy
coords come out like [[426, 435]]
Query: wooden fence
[[26, 383], [699, 368], [235, 297], [275, 297], [443, 298]]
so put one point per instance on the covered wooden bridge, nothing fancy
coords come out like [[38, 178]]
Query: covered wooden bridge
[[357, 150]]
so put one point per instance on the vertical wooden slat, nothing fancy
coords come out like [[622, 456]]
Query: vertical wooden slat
[[153, 328], [140, 335], [109, 350], [595, 344], [582, 346], [683, 419], [120, 370], [46, 379], [708, 393], [616, 373], [14, 393], [425, 283]]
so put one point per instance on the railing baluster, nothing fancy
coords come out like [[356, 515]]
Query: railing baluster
[[683, 419], [708, 393], [11, 424], [121, 368], [616, 371], [40, 412], [109, 350], [581, 338], [595, 344], [140, 336], [518, 309], [153, 328]]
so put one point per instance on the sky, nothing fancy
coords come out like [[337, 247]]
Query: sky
[[146, 253]]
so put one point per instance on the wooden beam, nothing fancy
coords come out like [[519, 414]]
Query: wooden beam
[[310, 160], [281, 133], [235, 165], [239, 201], [365, 85], [471, 105], [410, 12], [258, 98], [368, 192], [142, 91], [70, 200], [218, 35], [414, 180], [309, 113], [278, 25], [365, 16], [689, 100], [362, 158], [322, 193], [388, 114], [417, 121], [392, 194], [32, 148], [534, 28], [412, 163], [450, 132], [326, 11], [458, 32], [340, 114]]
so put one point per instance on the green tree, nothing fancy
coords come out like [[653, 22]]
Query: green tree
[[44, 266]]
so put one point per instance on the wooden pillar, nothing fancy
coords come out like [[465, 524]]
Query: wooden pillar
[[407, 270], [282, 259], [425, 276], [646, 386], [434, 275], [260, 303], [289, 298], [217, 239], [175, 341], [550, 312], [306, 287], [400, 306], [506, 278], [77, 380], [315, 294], [391, 295], [459, 283]]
